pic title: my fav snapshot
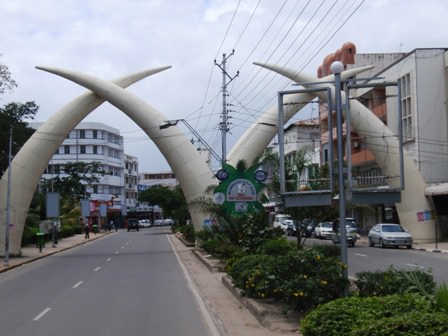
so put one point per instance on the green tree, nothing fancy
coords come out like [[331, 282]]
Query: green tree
[[14, 116], [7, 83], [172, 201], [73, 178]]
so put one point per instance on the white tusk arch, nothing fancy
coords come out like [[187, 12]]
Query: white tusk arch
[[192, 172], [32, 159]]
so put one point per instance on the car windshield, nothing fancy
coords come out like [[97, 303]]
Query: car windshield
[[392, 228], [327, 225]]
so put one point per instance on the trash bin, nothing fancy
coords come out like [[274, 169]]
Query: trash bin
[[95, 229], [40, 240]]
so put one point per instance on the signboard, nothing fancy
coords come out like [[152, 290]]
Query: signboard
[[52, 205], [239, 191]]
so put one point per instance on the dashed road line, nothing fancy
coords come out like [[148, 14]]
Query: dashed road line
[[77, 284], [38, 317], [97, 269], [360, 255]]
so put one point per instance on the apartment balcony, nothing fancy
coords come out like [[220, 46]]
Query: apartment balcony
[[362, 157]]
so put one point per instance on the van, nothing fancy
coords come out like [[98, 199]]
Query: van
[[133, 224]]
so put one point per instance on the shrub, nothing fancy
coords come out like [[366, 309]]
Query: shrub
[[302, 279], [29, 235], [276, 246], [408, 324], [77, 228], [66, 231], [328, 250], [187, 231], [256, 276], [310, 278], [441, 297], [393, 281], [346, 315]]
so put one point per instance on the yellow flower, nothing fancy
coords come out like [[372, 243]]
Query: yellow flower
[[323, 282], [304, 276]]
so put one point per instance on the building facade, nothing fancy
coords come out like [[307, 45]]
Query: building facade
[[422, 78], [89, 142], [130, 181]]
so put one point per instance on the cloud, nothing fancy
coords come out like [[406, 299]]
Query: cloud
[[111, 38]]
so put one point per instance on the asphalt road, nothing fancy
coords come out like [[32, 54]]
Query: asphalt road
[[363, 258], [129, 283]]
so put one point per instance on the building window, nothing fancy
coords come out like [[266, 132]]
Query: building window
[[82, 134], [95, 149], [406, 108], [83, 149], [95, 134], [66, 149]]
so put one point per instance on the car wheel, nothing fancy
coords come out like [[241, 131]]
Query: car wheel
[[371, 243], [381, 243], [408, 247]]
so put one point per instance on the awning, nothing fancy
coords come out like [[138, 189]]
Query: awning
[[437, 189]]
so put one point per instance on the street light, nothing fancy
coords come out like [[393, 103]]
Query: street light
[[169, 123], [336, 68]]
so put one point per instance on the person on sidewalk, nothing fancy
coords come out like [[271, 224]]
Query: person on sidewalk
[[86, 230]]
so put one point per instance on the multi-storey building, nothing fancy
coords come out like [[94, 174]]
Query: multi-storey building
[[301, 138], [422, 75], [93, 141], [130, 181]]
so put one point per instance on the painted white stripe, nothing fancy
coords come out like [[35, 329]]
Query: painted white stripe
[[361, 255], [108, 259], [78, 284], [38, 317], [416, 266], [116, 252], [97, 269]]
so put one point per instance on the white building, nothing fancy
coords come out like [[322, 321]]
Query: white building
[[93, 141], [130, 181], [422, 75]]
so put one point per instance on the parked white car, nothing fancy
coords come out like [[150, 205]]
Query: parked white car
[[282, 221], [144, 223], [324, 230]]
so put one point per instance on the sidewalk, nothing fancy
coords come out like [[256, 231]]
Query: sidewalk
[[31, 252]]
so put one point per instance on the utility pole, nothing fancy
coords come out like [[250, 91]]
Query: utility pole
[[226, 79], [8, 201]]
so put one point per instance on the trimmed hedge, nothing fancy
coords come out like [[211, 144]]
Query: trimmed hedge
[[394, 281], [346, 316]]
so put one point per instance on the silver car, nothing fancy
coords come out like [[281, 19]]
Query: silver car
[[386, 234]]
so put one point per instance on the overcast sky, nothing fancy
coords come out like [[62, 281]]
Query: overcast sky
[[110, 38]]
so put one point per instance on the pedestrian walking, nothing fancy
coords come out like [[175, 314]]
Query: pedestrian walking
[[86, 230]]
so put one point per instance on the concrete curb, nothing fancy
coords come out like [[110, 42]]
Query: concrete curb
[[273, 316]]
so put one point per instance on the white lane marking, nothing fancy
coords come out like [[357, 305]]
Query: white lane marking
[[78, 284], [415, 265], [122, 247], [205, 312], [38, 317], [116, 252], [97, 269], [361, 255], [108, 259]]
